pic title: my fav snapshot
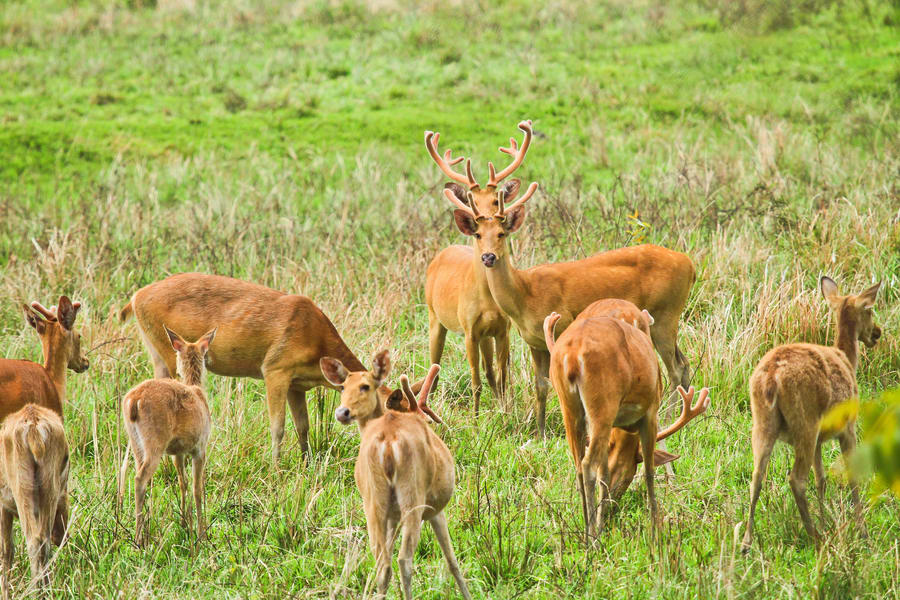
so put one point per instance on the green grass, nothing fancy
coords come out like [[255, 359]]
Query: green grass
[[281, 142]]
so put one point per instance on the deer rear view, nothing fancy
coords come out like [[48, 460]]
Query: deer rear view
[[164, 416], [794, 386], [34, 475], [404, 471]]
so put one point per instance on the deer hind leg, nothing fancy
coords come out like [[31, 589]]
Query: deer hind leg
[[199, 472], [596, 459], [472, 354], [541, 363], [123, 471], [7, 549], [380, 533], [409, 539], [178, 461], [847, 440], [300, 414], [277, 386], [819, 470], [143, 473], [648, 440], [764, 434], [439, 525], [664, 342], [487, 359], [576, 435], [804, 448]]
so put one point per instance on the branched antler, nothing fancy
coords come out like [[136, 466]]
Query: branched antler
[[421, 405], [515, 151], [501, 198], [446, 162], [688, 412]]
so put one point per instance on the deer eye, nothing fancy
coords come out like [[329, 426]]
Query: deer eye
[[477, 236], [500, 235], [364, 388]]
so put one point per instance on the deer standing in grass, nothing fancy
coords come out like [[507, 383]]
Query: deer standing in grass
[[404, 471], [624, 446], [22, 381], [651, 277], [456, 289], [164, 416], [262, 333], [606, 375], [34, 476], [794, 386]]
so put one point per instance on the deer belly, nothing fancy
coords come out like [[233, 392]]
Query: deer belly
[[629, 414]]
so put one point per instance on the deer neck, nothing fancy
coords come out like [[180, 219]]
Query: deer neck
[[56, 363], [193, 374], [508, 286], [375, 414], [478, 269], [847, 332]]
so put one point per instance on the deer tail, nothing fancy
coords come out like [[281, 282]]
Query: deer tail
[[126, 311], [35, 437], [549, 334], [132, 408]]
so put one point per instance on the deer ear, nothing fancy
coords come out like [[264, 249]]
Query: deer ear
[[381, 365], [829, 288], [650, 319], [207, 339], [866, 299], [35, 321], [661, 457], [464, 222], [177, 342], [458, 191], [333, 370], [511, 189], [65, 312], [397, 401], [513, 220]]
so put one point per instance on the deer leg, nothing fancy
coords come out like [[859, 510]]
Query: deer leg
[[299, 413], [487, 359], [123, 471], [847, 440], [143, 473], [38, 553], [437, 335], [199, 467], [804, 447], [161, 368], [597, 459], [501, 343], [763, 436], [541, 364], [648, 439], [472, 349], [409, 539], [277, 386], [178, 461], [377, 525], [439, 525], [576, 435], [7, 549], [819, 470]]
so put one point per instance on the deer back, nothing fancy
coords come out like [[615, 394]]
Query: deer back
[[24, 382]]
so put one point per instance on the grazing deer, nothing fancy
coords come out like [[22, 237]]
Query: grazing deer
[[624, 446], [262, 333], [34, 476], [456, 289], [404, 471], [164, 416], [794, 386], [653, 278], [606, 375], [22, 381]]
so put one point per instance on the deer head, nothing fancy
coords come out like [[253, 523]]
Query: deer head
[[854, 310], [57, 332], [360, 401]]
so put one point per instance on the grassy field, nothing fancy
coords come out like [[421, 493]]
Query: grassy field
[[281, 142]]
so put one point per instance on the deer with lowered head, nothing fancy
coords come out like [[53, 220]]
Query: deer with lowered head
[[164, 416], [261, 333], [606, 375], [22, 381], [653, 278], [794, 386], [456, 289], [404, 471], [624, 446], [34, 476]]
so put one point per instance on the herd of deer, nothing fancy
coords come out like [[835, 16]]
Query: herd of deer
[[616, 311]]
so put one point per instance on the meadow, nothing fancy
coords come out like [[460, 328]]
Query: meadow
[[282, 142]]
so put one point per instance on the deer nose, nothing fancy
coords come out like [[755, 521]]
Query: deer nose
[[876, 333], [489, 259], [342, 414]]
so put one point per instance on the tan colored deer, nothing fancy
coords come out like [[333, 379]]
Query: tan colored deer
[[456, 289], [34, 476], [262, 333], [22, 381], [606, 375], [164, 416], [624, 446], [794, 386], [653, 278], [404, 471]]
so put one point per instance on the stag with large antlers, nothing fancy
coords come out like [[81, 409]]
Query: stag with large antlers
[[22, 381], [404, 471], [653, 278]]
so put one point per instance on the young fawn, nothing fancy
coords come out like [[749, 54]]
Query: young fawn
[[794, 386], [404, 471], [22, 381], [607, 378], [34, 475], [171, 417]]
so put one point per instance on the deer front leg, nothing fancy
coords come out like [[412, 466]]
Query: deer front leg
[[472, 354], [487, 360], [199, 468], [277, 386], [847, 440], [7, 549], [541, 364], [300, 415], [178, 461], [502, 345], [439, 525]]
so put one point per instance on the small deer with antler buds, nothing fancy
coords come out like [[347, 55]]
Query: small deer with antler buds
[[404, 471]]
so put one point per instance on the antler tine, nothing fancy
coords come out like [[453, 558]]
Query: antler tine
[[452, 161], [518, 154], [501, 210], [410, 395], [458, 204], [49, 314], [472, 183], [445, 163], [426, 389], [688, 412]]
